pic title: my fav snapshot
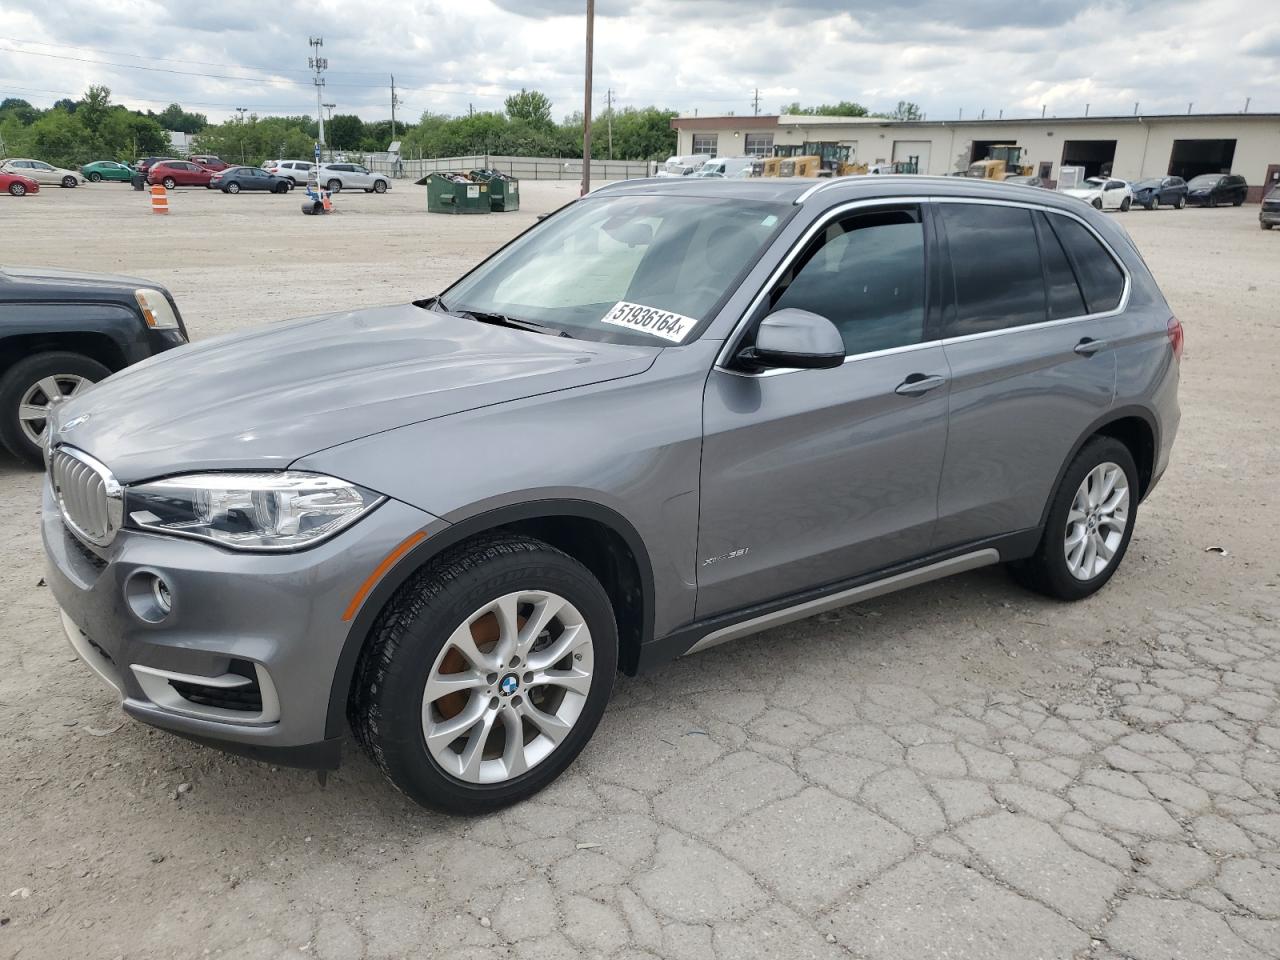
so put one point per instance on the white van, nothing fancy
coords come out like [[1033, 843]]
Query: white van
[[722, 168], [683, 166]]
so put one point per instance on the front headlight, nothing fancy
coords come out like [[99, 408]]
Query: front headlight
[[249, 511], [156, 309]]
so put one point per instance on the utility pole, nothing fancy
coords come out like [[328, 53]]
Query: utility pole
[[755, 103], [1247, 101], [1086, 109], [609, 117], [586, 95], [329, 107], [395, 102], [242, 111], [319, 64]]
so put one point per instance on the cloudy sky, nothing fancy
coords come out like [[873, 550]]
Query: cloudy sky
[[691, 55]]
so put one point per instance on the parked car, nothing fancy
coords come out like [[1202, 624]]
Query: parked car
[[43, 173], [17, 185], [1025, 180], [722, 168], [101, 170], [1103, 193], [146, 163], [235, 179], [351, 176], [671, 414], [209, 161], [1269, 213], [1159, 192], [298, 171], [61, 332], [178, 173], [1212, 189], [683, 166]]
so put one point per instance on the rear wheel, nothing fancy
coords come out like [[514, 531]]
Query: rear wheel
[[95, 177], [32, 389], [1090, 524], [1180, 203], [486, 674], [1265, 226], [69, 181], [1237, 203], [1125, 204]]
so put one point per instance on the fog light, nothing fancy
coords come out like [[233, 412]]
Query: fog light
[[149, 596]]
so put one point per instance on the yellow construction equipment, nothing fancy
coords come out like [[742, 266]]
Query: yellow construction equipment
[[792, 167], [1003, 160]]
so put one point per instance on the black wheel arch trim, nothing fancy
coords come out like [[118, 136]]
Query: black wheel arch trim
[[451, 536], [1111, 416]]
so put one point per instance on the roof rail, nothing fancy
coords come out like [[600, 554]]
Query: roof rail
[[817, 187]]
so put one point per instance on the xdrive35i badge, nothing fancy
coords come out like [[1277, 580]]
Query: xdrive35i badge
[[731, 555]]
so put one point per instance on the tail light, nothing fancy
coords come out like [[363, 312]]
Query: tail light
[[1176, 337]]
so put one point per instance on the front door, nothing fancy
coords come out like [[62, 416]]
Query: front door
[[810, 477]]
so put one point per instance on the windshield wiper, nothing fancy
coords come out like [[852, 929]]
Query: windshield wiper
[[502, 320]]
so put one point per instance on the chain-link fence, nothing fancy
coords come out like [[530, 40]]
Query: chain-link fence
[[522, 168]]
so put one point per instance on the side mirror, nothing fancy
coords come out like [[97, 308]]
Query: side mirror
[[795, 339]]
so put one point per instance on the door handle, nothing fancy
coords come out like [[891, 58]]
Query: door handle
[[1088, 346], [918, 384]]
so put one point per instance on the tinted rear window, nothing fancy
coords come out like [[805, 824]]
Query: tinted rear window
[[995, 262], [1101, 279], [1065, 299]]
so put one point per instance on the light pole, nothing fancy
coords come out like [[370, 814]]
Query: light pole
[[586, 111], [319, 64], [242, 111]]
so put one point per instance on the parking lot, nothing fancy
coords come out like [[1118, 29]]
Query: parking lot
[[961, 770]]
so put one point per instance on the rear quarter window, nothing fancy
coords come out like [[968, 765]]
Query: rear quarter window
[[1101, 279]]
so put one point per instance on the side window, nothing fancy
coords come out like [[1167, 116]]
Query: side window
[[1101, 279], [1065, 299], [996, 266], [866, 275]]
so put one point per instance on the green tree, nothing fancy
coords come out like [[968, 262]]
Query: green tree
[[845, 108], [530, 106], [905, 110], [173, 117], [93, 107], [344, 131]]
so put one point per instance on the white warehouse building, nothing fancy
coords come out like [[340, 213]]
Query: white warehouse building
[[1131, 148]]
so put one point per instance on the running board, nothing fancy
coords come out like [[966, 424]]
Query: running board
[[899, 581]]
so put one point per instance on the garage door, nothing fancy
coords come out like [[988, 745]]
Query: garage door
[[904, 150]]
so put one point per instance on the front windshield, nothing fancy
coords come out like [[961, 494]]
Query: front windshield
[[1146, 184], [1096, 181], [1205, 180], [637, 269]]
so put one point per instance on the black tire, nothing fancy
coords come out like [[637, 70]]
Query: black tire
[[1097, 203], [1125, 204], [232, 187], [169, 183], [1238, 203], [1153, 203], [69, 181], [1181, 202], [280, 188], [20, 378], [380, 186], [1046, 570], [95, 177], [1265, 226], [334, 186], [385, 707], [17, 189]]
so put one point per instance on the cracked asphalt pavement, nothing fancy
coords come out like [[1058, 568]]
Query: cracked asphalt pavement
[[962, 770]]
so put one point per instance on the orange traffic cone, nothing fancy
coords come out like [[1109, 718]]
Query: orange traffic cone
[[159, 198], [326, 201]]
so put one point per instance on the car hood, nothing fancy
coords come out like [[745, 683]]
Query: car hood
[[1085, 192], [264, 398], [49, 276]]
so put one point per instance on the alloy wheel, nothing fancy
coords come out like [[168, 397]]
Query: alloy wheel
[[17, 189], [1096, 521], [40, 399], [507, 687]]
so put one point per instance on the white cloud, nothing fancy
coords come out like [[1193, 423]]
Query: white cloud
[[707, 55]]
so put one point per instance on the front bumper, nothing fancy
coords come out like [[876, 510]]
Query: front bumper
[[1269, 216], [238, 621]]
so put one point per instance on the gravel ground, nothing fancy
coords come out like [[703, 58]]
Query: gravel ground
[[961, 770]]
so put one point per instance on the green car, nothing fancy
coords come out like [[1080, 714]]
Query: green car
[[106, 170]]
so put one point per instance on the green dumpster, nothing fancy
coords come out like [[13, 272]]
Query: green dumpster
[[504, 190], [456, 193]]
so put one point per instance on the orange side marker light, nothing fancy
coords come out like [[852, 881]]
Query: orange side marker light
[[379, 571]]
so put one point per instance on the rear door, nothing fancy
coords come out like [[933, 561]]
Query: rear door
[[810, 477], [1033, 299]]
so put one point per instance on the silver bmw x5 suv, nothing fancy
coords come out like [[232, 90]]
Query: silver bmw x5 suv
[[673, 413]]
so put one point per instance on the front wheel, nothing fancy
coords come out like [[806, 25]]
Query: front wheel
[[1090, 524], [486, 674], [32, 389], [1237, 203], [233, 187], [95, 178], [280, 188], [1265, 226], [69, 181], [1154, 204], [380, 186], [1097, 203], [1181, 202], [169, 183], [17, 189], [334, 186]]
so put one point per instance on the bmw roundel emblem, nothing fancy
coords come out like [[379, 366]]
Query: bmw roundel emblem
[[509, 684]]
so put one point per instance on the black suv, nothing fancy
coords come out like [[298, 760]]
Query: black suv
[[1211, 189], [61, 331]]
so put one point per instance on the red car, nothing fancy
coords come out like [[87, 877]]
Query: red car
[[178, 173], [210, 162], [17, 184]]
